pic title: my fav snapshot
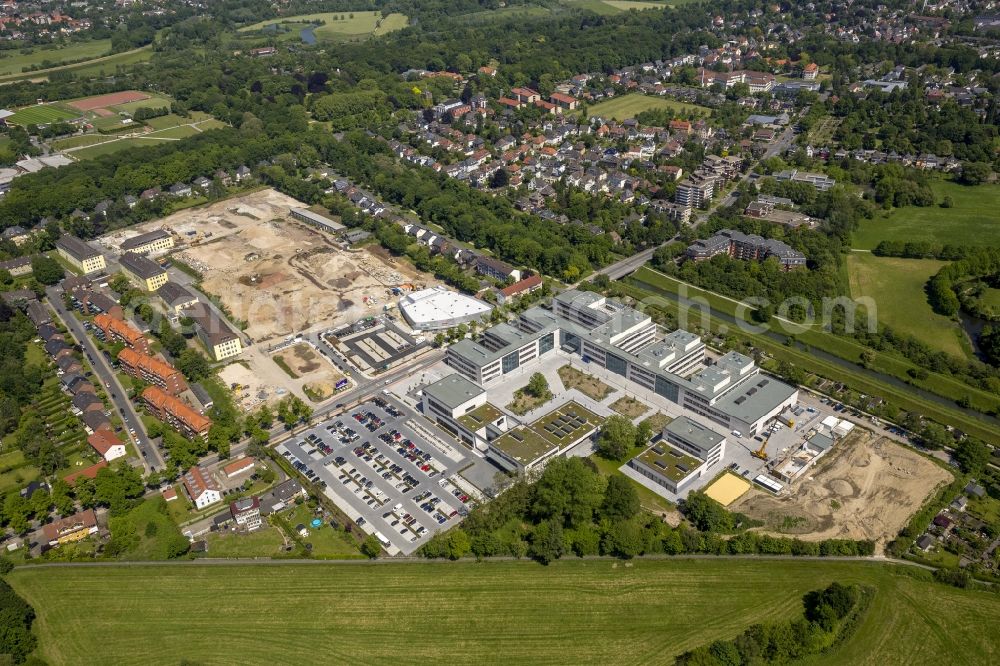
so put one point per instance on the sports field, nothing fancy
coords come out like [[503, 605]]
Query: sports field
[[597, 611], [972, 220], [897, 286], [14, 62], [628, 106], [727, 488], [42, 113]]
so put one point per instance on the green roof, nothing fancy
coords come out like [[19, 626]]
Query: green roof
[[480, 416], [668, 461], [556, 430]]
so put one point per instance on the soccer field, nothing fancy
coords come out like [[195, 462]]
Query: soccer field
[[576, 611], [41, 113]]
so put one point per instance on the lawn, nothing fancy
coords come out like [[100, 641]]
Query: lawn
[[628, 106], [972, 220], [14, 62], [179, 132], [265, 542], [154, 102], [608, 612], [105, 148], [345, 27], [897, 287], [590, 386], [41, 113]]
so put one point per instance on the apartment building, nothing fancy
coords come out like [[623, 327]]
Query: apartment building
[[117, 330], [152, 371], [175, 413]]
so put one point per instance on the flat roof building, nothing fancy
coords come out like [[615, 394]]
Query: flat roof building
[[142, 271], [439, 308], [82, 256], [696, 439], [316, 220], [459, 406]]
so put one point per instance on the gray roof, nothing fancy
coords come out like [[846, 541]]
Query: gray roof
[[143, 239], [453, 391], [821, 441], [756, 397], [171, 293], [700, 437], [140, 265], [77, 249]]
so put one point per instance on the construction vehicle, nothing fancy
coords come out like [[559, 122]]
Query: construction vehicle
[[761, 453]]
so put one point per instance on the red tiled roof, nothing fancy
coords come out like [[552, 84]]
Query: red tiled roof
[[89, 472], [103, 440]]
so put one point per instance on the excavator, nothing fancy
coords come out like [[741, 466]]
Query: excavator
[[762, 451]]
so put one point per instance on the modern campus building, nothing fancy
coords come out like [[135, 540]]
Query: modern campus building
[[439, 308], [687, 451], [460, 407], [150, 242], [732, 392], [142, 271], [80, 255]]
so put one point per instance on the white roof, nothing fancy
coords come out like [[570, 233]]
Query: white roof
[[845, 426], [440, 304], [831, 421], [5, 113]]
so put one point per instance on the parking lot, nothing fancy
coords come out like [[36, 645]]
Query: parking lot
[[392, 482]]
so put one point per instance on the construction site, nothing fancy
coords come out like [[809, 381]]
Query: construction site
[[279, 275], [866, 487]]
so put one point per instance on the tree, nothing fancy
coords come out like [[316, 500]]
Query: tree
[[46, 269], [193, 364], [16, 639], [972, 455], [538, 386], [617, 438], [706, 514], [621, 501], [371, 548], [547, 542], [568, 491], [975, 173]]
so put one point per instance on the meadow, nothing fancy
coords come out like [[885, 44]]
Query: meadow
[[972, 220], [610, 7], [346, 26], [14, 61], [628, 106], [897, 287], [573, 611], [102, 64]]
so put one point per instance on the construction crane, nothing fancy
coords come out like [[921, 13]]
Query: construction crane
[[762, 451]]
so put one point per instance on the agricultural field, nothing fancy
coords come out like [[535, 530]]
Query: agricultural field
[[609, 611], [330, 26], [15, 62], [629, 106], [971, 220], [897, 287]]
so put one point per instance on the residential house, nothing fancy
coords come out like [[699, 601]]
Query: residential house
[[201, 488], [142, 271], [107, 445], [246, 513], [80, 255], [175, 413], [71, 528], [117, 330], [152, 371]]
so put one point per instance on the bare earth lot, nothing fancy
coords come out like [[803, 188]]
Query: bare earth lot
[[866, 488], [279, 275], [317, 375]]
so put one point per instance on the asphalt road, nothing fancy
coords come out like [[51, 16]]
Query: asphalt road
[[150, 455]]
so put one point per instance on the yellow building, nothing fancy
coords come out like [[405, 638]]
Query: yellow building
[[144, 273], [71, 528], [80, 255], [154, 241], [219, 339]]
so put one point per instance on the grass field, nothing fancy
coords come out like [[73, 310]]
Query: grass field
[[14, 62], [154, 102], [41, 113], [570, 612], [80, 141], [610, 7], [972, 220], [346, 26], [179, 132], [103, 64], [897, 287], [628, 106]]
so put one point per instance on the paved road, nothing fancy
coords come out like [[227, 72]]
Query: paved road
[[150, 455]]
